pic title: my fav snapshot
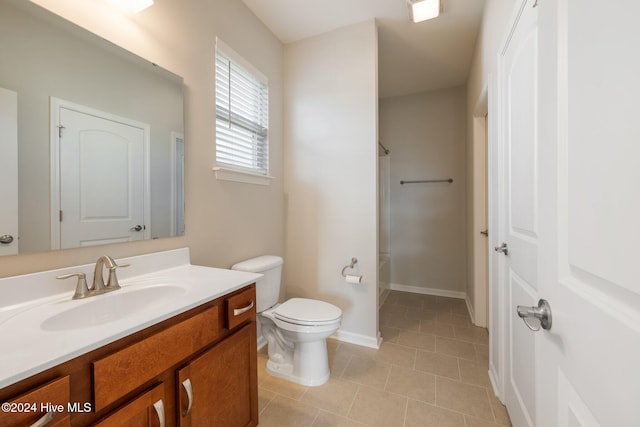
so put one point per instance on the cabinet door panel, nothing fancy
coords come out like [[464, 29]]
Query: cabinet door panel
[[223, 384], [147, 410]]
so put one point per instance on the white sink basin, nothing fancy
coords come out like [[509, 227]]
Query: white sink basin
[[110, 307], [42, 327]]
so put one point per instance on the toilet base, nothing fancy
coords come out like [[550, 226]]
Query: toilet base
[[309, 365]]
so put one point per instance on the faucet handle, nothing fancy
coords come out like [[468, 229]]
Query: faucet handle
[[112, 281], [82, 290]]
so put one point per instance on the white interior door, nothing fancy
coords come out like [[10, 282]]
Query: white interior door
[[519, 230], [102, 179], [589, 372], [8, 172]]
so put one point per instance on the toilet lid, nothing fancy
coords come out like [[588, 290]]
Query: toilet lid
[[305, 311]]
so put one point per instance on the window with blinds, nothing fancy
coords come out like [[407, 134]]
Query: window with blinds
[[242, 114]]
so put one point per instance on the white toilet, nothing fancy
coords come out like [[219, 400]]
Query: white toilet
[[295, 330]]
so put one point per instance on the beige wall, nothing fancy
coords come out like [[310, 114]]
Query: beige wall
[[225, 222], [426, 135], [331, 157]]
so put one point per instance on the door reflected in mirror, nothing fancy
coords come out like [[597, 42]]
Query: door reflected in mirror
[[100, 146]]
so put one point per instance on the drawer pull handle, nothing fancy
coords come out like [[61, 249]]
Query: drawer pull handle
[[239, 311], [187, 387], [159, 407], [46, 418]]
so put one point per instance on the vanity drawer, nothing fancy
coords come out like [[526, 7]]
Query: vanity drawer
[[36, 403], [240, 307], [125, 370]]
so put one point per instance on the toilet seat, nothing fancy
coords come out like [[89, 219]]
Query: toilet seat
[[307, 312]]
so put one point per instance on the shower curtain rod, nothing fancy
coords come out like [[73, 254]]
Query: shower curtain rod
[[386, 151]]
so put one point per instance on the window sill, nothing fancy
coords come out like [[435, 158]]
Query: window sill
[[224, 174]]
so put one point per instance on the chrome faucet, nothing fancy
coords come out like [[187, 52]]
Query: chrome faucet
[[98, 280], [98, 286]]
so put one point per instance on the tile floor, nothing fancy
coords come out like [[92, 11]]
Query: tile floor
[[431, 370]]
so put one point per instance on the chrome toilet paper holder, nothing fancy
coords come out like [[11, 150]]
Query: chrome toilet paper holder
[[354, 261]]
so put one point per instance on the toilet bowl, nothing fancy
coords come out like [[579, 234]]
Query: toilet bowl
[[296, 330], [297, 343]]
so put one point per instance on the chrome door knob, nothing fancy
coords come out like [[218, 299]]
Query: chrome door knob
[[6, 239], [137, 228], [536, 317], [503, 248]]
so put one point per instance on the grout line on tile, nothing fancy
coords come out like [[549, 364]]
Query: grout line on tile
[[463, 413], [299, 399], [495, 419], [316, 417], [341, 416], [435, 392], [265, 406], [386, 381], [353, 401], [447, 409], [406, 410]]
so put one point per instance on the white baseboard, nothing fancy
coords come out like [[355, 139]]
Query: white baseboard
[[261, 342], [343, 336], [428, 291], [494, 384], [358, 339], [438, 292], [383, 297], [472, 313]]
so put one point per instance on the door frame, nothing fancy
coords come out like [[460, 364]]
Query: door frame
[[175, 136], [9, 164], [498, 300], [479, 244], [55, 105], [495, 220]]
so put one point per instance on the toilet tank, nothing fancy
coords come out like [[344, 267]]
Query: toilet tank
[[267, 287]]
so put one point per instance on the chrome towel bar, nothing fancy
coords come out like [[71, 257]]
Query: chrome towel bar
[[426, 180]]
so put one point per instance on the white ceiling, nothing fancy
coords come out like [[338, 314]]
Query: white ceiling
[[412, 58]]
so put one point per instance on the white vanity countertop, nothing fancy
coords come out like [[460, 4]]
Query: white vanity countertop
[[26, 302]]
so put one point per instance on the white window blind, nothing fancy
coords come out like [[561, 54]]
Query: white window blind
[[242, 114]]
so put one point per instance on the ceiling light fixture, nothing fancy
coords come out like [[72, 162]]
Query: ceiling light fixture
[[134, 6], [421, 10]]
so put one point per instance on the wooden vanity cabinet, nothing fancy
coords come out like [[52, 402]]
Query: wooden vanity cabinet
[[140, 380], [216, 387], [47, 402], [146, 410]]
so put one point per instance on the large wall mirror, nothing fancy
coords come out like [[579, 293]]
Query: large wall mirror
[[91, 138]]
